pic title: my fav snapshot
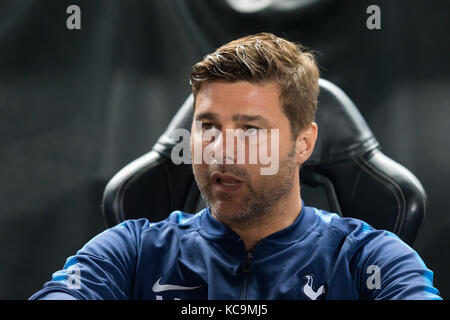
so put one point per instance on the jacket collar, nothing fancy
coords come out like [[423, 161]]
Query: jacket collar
[[213, 229]]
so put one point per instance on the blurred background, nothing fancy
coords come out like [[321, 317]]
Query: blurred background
[[78, 105]]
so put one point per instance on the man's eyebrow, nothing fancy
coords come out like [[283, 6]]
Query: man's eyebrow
[[248, 118], [207, 116], [235, 117]]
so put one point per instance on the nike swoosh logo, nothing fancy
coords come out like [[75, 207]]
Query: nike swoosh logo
[[157, 287]]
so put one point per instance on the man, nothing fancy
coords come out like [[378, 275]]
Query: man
[[256, 239]]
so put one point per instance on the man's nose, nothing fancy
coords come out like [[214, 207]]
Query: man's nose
[[220, 150]]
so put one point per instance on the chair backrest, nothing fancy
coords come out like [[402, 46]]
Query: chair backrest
[[347, 174]]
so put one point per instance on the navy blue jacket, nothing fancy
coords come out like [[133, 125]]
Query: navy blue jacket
[[319, 256]]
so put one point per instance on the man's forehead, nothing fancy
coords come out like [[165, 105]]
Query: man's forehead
[[238, 99]]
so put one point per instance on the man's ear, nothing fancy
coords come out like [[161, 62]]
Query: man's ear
[[306, 141]]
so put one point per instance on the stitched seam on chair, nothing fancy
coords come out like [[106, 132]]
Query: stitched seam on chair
[[119, 209], [370, 142], [356, 184], [361, 148], [400, 220], [365, 165]]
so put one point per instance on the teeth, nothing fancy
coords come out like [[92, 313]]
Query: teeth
[[227, 184]]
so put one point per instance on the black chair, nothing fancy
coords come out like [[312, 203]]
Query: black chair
[[347, 174]]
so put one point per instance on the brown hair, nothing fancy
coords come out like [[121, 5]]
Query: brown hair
[[263, 58]]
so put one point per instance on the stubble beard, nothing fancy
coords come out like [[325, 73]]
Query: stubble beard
[[257, 204]]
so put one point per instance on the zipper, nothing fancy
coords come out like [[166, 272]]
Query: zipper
[[247, 266]]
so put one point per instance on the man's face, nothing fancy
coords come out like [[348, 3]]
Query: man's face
[[238, 192]]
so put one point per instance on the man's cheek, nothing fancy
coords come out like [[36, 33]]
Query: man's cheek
[[269, 153], [201, 173]]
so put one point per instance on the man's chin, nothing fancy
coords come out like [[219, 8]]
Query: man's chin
[[227, 210]]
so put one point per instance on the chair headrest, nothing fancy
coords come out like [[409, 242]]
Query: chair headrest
[[343, 133]]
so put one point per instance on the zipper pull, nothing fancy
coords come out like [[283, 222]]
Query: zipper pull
[[248, 261]]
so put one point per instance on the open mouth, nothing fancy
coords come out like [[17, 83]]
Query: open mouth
[[226, 181]]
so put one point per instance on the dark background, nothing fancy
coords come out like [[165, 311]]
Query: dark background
[[78, 105]]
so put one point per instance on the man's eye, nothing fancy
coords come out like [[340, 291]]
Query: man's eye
[[207, 126], [250, 130]]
